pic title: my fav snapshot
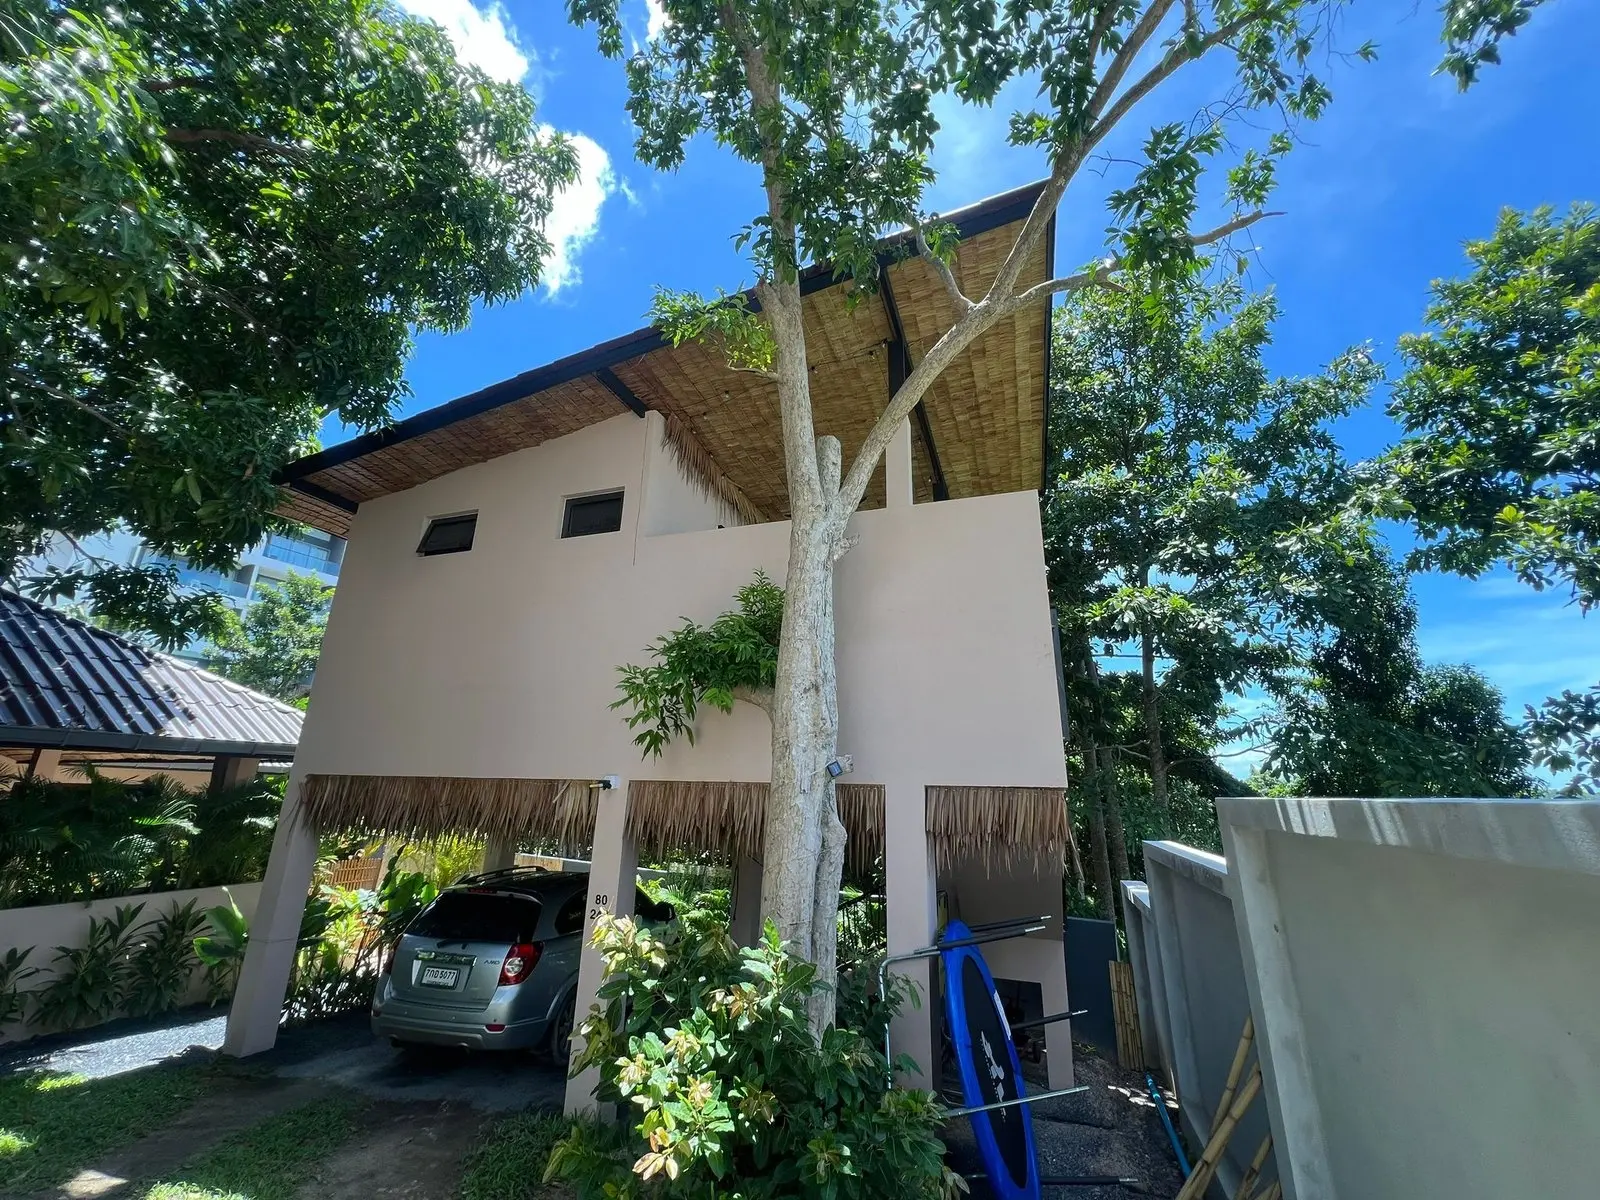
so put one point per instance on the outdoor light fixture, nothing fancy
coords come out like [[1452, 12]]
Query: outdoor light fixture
[[842, 765], [607, 783]]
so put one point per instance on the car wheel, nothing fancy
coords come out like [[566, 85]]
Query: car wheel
[[561, 1030]]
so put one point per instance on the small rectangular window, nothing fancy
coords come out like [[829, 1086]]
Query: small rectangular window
[[448, 535], [592, 514]]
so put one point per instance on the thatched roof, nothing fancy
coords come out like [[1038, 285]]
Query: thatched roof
[[667, 817], [997, 826], [981, 429], [561, 811]]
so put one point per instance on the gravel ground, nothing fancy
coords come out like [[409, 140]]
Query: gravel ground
[[1112, 1129], [339, 1051], [118, 1046]]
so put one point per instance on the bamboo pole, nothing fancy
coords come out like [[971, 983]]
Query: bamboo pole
[[1253, 1172], [1237, 1069], [1275, 1192], [1200, 1178]]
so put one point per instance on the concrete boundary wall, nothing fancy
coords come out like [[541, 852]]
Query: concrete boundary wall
[[1423, 975], [1189, 978], [48, 926]]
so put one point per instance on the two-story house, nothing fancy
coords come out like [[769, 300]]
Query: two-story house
[[509, 550]]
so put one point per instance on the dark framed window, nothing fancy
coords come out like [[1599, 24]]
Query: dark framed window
[[601, 513], [570, 918], [449, 535]]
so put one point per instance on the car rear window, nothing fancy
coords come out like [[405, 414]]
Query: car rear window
[[471, 917]]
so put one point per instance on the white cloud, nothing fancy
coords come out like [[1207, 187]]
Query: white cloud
[[575, 215], [483, 37], [657, 10]]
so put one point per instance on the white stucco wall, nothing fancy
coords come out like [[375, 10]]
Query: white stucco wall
[[502, 661], [1424, 975], [46, 927]]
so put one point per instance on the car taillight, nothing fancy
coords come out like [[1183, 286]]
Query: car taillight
[[520, 961], [388, 960]]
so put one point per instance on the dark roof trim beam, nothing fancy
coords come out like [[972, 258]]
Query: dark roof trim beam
[[621, 391], [899, 368], [969, 222], [306, 488], [96, 739]]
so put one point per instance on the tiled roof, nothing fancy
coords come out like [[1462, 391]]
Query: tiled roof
[[66, 683]]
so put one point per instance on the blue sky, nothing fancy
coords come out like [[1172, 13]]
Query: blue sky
[[1378, 199]]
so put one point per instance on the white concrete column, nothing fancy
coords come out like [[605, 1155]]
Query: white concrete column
[[913, 910], [500, 852], [258, 1002], [230, 771], [44, 764], [745, 927], [612, 870], [897, 468]]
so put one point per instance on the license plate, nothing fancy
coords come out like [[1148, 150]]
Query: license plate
[[444, 977]]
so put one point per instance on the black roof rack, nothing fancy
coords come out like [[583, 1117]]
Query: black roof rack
[[511, 877]]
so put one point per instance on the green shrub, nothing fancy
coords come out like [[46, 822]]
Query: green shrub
[[708, 1046], [91, 982], [163, 961], [345, 934], [13, 970], [61, 842], [222, 949]]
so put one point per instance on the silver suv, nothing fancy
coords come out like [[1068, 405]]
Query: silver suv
[[492, 963]]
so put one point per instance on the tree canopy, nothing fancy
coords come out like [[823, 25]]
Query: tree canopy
[[1216, 590], [220, 223], [1500, 462], [274, 646], [1364, 716], [1500, 405]]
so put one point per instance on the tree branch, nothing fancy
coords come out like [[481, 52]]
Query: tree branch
[[1101, 27], [780, 294], [759, 697], [244, 141], [177, 82], [1174, 58], [1137, 37], [946, 275], [67, 398], [1097, 276]]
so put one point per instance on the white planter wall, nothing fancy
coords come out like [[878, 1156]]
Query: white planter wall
[[1190, 982], [1424, 976], [45, 927]]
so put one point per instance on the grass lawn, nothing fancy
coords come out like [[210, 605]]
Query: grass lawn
[[52, 1125], [210, 1133], [268, 1161], [508, 1164]]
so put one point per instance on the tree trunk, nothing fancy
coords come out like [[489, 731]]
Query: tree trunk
[[1116, 840], [1152, 724], [1101, 863], [1098, 852], [803, 855], [803, 850]]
